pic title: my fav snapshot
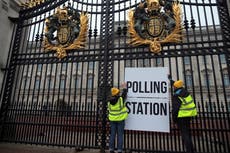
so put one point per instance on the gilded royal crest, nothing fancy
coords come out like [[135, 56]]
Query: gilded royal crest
[[65, 30], [155, 22]]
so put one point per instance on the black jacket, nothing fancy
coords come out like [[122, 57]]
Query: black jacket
[[113, 100], [176, 103]]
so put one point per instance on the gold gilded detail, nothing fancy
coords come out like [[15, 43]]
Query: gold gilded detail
[[65, 30], [31, 3], [149, 25]]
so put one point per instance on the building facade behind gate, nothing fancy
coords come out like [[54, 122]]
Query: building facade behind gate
[[62, 102]]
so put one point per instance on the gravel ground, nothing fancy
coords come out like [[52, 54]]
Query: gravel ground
[[22, 148]]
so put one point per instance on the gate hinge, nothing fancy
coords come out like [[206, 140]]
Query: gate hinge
[[4, 69], [13, 19]]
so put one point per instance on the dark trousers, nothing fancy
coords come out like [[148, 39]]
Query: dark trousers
[[184, 127], [116, 128]]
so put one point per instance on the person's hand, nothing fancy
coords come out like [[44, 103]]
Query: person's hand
[[123, 85], [169, 77]]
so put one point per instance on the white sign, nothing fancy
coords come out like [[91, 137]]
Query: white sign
[[147, 99]]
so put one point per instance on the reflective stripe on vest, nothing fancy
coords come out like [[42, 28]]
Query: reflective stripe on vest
[[188, 107], [117, 112]]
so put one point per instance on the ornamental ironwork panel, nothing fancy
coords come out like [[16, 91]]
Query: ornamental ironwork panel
[[62, 100]]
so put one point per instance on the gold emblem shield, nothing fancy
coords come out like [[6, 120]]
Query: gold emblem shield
[[70, 28], [155, 26], [155, 31], [63, 34]]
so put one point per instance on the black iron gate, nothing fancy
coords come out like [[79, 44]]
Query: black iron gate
[[62, 102]]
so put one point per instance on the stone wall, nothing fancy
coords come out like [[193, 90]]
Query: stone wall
[[9, 8]]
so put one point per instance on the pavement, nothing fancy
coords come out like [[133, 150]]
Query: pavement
[[25, 148]]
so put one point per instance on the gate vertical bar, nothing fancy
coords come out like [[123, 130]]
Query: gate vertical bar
[[10, 77], [225, 28], [225, 25], [105, 69]]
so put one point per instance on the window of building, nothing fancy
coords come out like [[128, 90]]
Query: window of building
[[205, 59], [49, 82], [140, 63], [77, 65], [91, 65], [37, 82], [77, 81], [39, 67], [90, 81], [222, 59], [62, 85], [25, 82], [209, 107], [158, 61], [207, 80], [188, 78], [62, 82], [146, 62], [226, 80], [64, 66], [187, 60], [128, 63]]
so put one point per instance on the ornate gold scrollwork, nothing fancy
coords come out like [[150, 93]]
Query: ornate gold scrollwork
[[149, 25], [70, 28], [31, 3]]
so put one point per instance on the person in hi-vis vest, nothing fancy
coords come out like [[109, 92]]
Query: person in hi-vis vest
[[117, 115], [183, 109]]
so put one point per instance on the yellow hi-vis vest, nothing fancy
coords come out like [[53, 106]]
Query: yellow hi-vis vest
[[188, 107], [117, 112]]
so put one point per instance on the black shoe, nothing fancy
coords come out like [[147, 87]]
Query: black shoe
[[111, 152]]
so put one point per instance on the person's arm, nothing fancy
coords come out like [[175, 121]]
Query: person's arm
[[124, 91], [170, 79], [124, 94]]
